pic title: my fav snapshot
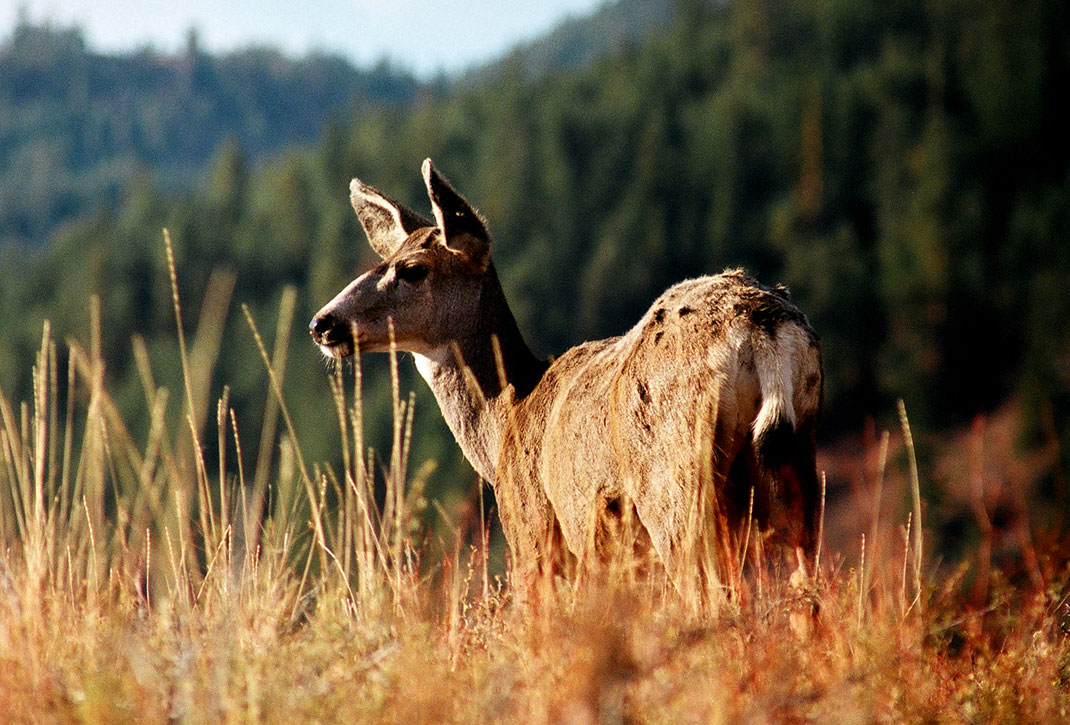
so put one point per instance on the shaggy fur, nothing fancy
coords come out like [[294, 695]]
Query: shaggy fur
[[712, 395]]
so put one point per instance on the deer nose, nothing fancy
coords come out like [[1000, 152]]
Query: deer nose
[[320, 324]]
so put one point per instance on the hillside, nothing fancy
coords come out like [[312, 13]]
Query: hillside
[[78, 127], [187, 535], [81, 129], [902, 169], [579, 41]]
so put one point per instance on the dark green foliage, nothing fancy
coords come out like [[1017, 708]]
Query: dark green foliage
[[903, 167]]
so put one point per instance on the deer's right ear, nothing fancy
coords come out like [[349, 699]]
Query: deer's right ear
[[386, 222]]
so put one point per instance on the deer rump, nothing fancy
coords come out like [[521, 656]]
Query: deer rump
[[713, 394]]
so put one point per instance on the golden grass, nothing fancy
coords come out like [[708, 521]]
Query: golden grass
[[140, 582]]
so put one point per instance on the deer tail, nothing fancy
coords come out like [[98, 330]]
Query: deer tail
[[773, 430]]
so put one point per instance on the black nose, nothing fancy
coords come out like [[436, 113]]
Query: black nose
[[320, 324]]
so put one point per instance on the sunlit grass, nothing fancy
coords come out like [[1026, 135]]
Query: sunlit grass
[[141, 582]]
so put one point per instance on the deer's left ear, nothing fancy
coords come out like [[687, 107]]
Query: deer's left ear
[[463, 230]]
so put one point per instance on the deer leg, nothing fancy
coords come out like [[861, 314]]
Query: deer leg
[[800, 495], [809, 489]]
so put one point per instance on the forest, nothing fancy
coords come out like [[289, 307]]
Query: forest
[[902, 167], [202, 519]]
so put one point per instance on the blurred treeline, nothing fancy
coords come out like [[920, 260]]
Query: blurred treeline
[[77, 126], [904, 167]]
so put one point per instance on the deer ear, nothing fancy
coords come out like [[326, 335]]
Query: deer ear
[[463, 230], [386, 222]]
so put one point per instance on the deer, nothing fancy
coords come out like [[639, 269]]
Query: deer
[[713, 396]]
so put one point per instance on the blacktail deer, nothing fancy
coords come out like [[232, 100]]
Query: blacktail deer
[[709, 404]]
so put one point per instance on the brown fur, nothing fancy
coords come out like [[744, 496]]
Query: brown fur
[[712, 395]]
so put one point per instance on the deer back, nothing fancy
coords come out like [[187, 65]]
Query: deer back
[[648, 416]]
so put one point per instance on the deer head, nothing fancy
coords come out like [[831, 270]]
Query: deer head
[[428, 285]]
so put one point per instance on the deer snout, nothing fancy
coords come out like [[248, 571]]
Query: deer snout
[[331, 333], [320, 325]]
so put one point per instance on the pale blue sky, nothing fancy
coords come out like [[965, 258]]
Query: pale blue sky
[[423, 35]]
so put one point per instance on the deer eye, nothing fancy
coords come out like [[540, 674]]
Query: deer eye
[[412, 273]]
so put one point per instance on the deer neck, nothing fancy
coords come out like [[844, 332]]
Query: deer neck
[[476, 392]]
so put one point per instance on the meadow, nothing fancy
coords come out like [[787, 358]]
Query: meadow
[[199, 572]]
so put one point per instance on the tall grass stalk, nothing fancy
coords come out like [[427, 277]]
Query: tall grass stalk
[[915, 497]]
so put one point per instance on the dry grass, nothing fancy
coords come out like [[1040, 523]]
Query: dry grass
[[140, 582]]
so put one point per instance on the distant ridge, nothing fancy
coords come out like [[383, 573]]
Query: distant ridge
[[79, 126], [580, 40]]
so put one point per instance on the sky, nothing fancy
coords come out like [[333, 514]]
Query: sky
[[425, 36]]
